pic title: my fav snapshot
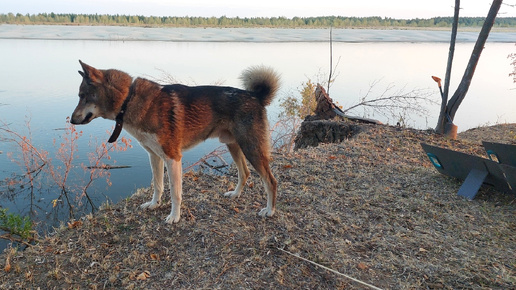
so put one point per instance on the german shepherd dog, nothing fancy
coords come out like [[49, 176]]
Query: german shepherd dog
[[167, 119]]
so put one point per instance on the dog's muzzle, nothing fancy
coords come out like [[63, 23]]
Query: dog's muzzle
[[86, 120]]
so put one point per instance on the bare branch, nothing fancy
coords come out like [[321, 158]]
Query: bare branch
[[392, 102], [216, 155], [331, 60], [283, 133]]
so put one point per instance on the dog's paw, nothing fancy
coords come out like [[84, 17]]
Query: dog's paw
[[150, 205], [232, 194], [266, 212], [173, 218]]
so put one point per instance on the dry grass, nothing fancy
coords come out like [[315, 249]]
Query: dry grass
[[371, 207]]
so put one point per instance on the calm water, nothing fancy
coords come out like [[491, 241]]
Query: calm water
[[39, 81]]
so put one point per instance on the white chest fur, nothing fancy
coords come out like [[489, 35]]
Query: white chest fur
[[149, 141]]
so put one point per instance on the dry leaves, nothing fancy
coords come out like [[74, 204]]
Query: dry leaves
[[362, 266], [74, 224], [143, 276], [7, 267], [384, 217]]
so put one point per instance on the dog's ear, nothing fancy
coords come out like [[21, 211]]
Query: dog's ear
[[90, 73]]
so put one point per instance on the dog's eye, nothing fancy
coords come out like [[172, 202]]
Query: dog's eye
[[82, 95]]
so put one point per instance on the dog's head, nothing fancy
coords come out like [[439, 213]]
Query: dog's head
[[101, 94], [88, 108]]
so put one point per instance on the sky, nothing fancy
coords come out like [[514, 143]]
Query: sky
[[400, 9]]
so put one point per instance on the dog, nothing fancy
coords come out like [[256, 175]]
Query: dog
[[168, 119]]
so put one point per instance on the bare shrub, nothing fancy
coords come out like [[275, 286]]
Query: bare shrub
[[41, 173], [512, 57]]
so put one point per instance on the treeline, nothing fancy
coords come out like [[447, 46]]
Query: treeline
[[296, 22]]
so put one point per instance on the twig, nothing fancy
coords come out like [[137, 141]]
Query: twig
[[20, 240], [225, 268], [219, 233], [217, 153], [331, 59], [192, 217], [108, 167], [331, 270]]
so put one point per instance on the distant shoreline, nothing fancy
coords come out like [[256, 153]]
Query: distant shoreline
[[460, 29], [251, 22], [265, 35]]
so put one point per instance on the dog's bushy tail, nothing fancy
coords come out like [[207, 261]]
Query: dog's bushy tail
[[263, 81]]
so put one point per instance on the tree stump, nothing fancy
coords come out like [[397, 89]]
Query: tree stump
[[311, 133], [326, 109], [328, 124]]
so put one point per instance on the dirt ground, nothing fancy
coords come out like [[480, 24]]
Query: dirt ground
[[371, 208]]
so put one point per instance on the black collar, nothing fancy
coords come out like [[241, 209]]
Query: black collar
[[120, 118]]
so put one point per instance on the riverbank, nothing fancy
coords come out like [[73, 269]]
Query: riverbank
[[372, 207]]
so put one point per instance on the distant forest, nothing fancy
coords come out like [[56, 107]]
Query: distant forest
[[280, 22]]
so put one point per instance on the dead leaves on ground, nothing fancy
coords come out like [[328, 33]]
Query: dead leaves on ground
[[362, 266], [140, 275], [377, 214], [74, 224]]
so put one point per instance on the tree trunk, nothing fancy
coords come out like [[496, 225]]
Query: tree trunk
[[462, 89], [444, 94]]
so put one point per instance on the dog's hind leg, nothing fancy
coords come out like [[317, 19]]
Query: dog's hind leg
[[270, 185], [243, 171], [257, 156], [157, 180], [175, 178]]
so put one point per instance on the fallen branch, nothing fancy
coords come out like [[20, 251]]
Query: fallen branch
[[216, 154], [20, 240], [108, 167], [331, 270]]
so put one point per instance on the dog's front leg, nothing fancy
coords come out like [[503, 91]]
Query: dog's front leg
[[175, 177], [157, 180]]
